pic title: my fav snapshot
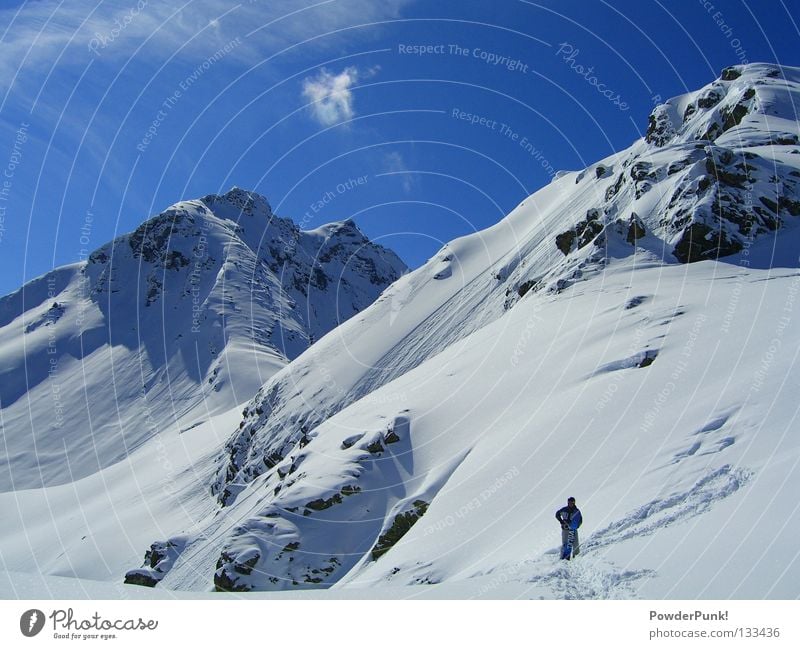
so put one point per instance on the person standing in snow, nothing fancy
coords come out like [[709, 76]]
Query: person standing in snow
[[570, 519]]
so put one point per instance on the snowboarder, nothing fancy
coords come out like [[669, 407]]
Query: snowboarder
[[570, 519]]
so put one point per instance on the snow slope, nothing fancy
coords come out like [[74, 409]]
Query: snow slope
[[182, 319], [566, 350]]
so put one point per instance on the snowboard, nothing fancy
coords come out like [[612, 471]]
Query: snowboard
[[566, 550]]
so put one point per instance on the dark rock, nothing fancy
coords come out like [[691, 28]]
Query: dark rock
[[649, 356], [140, 578], [402, 523], [350, 441], [678, 165], [700, 242], [527, 285], [638, 300], [725, 176], [564, 241], [642, 171], [635, 230], [272, 459], [733, 117], [98, 257], [225, 581], [710, 99], [323, 503], [588, 233], [350, 490], [375, 447], [660, 129], [614, 189], [585, 232], [730, 74]]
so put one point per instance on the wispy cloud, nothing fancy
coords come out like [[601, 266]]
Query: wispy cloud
[[395, 164], [330, 95], [38, 38]]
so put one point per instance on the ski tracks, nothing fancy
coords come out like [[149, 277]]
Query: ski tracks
[[591, 575], [678, 506]]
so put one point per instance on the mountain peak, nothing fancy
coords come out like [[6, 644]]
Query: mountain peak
[[238, 200], [347, 227], [216, 294], [744, 99]]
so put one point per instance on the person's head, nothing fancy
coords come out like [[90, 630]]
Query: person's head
[[570, 502]]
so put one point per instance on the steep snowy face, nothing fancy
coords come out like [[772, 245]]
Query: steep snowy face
[[701, 185], [186, 316], [342, 452]]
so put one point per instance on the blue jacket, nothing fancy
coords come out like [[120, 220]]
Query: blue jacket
[[571, 516]]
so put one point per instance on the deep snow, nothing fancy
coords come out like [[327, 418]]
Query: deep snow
[[426, 442]]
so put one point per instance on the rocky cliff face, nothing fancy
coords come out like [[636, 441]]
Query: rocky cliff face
[[722, 163]]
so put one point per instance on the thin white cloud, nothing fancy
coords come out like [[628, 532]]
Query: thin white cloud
[[394, 163], [39, 36], [330, 95]]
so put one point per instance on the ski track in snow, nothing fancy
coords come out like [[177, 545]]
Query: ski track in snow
[[678, 506], [590, 575]]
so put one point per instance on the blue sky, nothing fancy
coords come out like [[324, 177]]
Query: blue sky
[[450, 112]]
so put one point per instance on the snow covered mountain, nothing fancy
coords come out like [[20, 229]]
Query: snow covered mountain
[[184, 318], [567, 350]]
